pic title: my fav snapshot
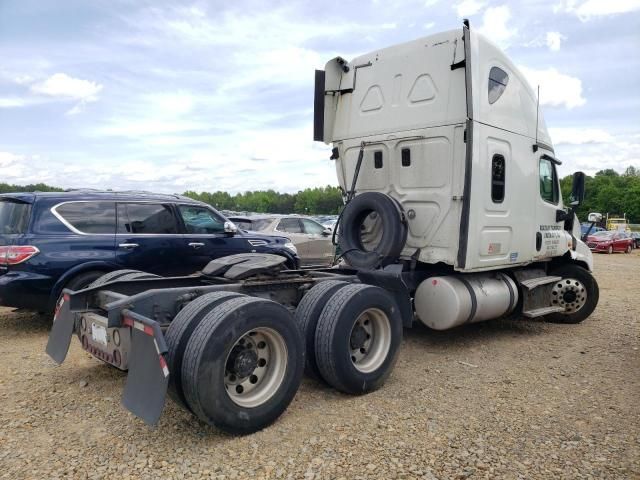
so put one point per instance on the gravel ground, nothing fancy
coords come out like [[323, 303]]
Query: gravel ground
[[502, 399]]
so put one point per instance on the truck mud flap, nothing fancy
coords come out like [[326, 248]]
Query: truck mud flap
[[61, 331], [146, 388]]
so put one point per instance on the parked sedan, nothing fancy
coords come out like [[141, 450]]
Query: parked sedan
[[312, 240], [610, 242], [636, 239]]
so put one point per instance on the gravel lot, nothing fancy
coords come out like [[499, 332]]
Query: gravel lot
[[506, 399]]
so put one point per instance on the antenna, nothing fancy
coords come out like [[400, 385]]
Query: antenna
[[537, 114]]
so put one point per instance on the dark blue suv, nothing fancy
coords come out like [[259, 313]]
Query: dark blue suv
[[51, 241]]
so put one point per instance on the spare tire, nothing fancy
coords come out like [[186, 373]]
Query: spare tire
[[390, 241]]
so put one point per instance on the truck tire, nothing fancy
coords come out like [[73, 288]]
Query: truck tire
[[243, 365], [370, 319], [136, 276], [306, 316], [108, 277], [178, 334], [578, 292], [393, 235]]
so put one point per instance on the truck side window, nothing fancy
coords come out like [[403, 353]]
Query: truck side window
[[498, 80], [497, 178], [548, 181]]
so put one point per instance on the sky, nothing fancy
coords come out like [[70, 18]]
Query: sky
[[170, 96]]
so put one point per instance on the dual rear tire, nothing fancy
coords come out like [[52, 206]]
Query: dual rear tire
[[353, 334], [236, 361]]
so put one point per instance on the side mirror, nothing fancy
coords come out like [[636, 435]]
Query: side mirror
[[229, 227], [326, 232], [595, 217], [577, 189]]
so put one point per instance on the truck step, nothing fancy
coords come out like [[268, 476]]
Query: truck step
[[539, 312], [538, 281]]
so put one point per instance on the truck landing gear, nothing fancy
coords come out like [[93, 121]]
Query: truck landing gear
[[577, 293]]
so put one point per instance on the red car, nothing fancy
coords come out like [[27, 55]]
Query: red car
[[610, 242]]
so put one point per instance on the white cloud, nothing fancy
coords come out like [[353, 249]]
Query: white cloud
[[579, 136], [616, 152], [12, 102], [554, 39], [63, 86], [466, 8], [585, 10], [495, 25], [556, 89], [429, 25]]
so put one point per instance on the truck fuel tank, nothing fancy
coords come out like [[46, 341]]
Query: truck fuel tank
[[449, 301]]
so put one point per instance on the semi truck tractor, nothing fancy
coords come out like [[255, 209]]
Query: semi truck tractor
[[453, 214]]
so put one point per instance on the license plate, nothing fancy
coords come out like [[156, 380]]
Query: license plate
[[99, 334]]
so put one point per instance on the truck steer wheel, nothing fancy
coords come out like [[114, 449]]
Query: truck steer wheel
[[179, 332], [307, 315], [243, 364], [577, 293], [111, 276], [357, 338]]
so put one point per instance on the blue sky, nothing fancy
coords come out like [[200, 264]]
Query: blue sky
[[170, 96]]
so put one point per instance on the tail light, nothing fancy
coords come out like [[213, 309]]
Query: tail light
[[15, 254]]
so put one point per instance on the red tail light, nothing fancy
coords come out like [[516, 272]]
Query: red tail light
[[15, 254]]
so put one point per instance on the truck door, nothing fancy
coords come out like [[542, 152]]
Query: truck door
[[148, 238], [550, 237]]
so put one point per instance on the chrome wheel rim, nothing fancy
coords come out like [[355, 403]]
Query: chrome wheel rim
[[570, 294], [255, 367], [370, 340]]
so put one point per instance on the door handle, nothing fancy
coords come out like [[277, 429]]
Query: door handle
[[196, 245], [128, 246]]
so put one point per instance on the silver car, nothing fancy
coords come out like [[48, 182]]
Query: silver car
[[312, 239]]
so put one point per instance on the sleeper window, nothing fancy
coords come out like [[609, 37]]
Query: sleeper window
[[498, 80], [497, 178]]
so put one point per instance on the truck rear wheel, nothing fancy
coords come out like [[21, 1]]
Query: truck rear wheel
[[243, 365], [307, 315], [357, 338], [179, 332], [108, 277], [577, 293]]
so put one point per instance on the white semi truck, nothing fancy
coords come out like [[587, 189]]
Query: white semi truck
[[453, 214]]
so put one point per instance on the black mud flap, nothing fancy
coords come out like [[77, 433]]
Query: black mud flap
[[146, 388], [61, 331]]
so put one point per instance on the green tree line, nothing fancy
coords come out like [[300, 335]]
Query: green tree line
[[608, 192], [311, 201]]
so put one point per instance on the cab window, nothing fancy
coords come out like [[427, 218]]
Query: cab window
[[201, 220], [548, 181]]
